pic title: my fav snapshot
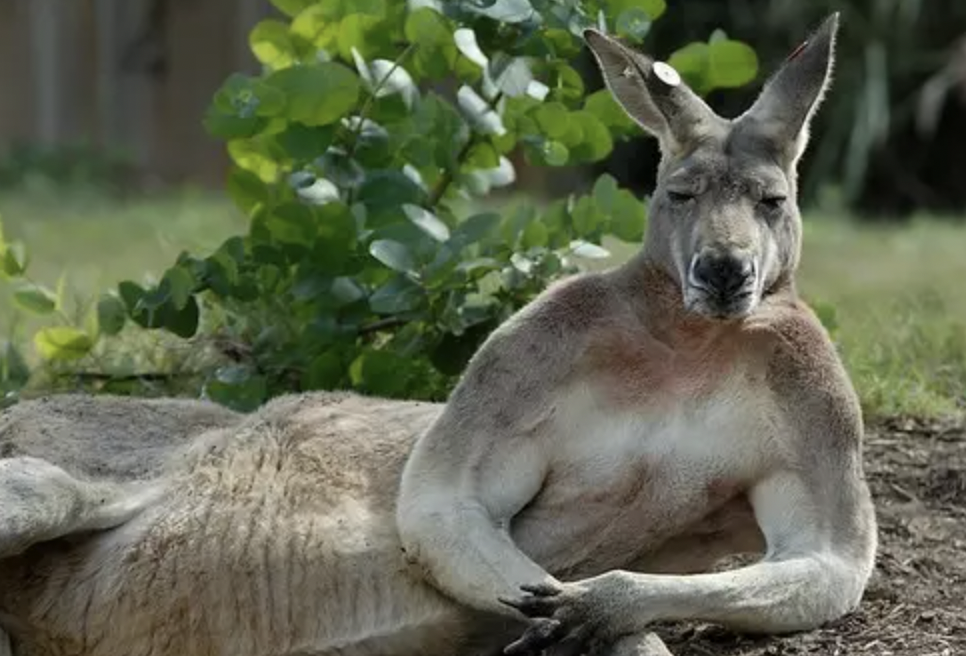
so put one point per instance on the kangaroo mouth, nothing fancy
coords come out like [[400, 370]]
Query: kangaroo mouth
[[717, 306]]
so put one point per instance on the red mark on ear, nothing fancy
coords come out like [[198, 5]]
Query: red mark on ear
[[796, 52]]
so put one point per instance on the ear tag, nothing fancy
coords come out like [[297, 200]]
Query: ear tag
[[666, 74]]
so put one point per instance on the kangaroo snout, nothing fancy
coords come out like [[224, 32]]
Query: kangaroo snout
[[724, 275], [722, 284]]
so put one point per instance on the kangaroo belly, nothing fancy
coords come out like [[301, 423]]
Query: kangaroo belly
[[212, 583], [280, 540]]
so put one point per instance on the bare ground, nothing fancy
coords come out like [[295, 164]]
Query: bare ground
[[915, 604]]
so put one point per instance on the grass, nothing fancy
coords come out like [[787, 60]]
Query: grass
[[88, 243], [900, 309], [892, 296]]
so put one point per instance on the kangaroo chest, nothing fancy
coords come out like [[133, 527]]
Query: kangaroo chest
[[625, 481]]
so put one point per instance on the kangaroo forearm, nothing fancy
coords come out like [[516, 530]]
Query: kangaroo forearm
[[469, 559], [771, 597]]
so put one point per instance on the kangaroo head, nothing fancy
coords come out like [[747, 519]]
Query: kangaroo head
[[724, 220]]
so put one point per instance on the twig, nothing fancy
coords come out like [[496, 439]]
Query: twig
[[449, 174], [382, 324]]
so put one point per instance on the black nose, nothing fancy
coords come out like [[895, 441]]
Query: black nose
[[722, 274]]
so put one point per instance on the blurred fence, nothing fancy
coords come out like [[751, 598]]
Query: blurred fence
[[132, 76]]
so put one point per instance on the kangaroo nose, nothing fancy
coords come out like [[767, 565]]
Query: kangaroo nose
[[721, 274]]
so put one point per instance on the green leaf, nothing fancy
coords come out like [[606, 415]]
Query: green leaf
[[367, 34], [602, 105], [398, 295], [504, 11], [182, 322], [629, 218], [63, 343], [552, 119], [428, 28], [535, 235], [692, 62], [227, 126], [597, 142], [335, 237], [179, 283], [14, 259], [292, 8], [381, 373], [14, 371], [586, 218], [111, 314], [652, 8], [555, 153], [304, 142], [476, 228], [250, 156], [290, 223], [237, 387], [634, 23], [317, 94], [36, 299], [732, 64], [483, 156], [437, 54], [393, 254], [427, 222], [247, 190], [272, 45], [325, 372], [388, 189]]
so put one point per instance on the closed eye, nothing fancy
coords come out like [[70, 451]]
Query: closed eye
[[679, 196], [773, 203]]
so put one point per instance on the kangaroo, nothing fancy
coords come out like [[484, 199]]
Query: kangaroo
[[634, 422], [606, 450]]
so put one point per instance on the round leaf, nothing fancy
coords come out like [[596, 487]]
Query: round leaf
[[393, 254], [317, 94], [732, 63], [111, 314], [633, 23], [272, 45], [555, 153], [63, 343], [553, 119], [36, 299], [427, 222]]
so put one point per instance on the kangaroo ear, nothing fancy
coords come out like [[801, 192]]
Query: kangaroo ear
[[652, 93], [784, 110]]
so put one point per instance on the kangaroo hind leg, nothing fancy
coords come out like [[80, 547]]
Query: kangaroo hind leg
[[39, 501]]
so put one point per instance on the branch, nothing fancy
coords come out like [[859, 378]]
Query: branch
[[449, 175], [382, 324]]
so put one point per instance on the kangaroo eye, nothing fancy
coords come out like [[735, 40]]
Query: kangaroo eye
[[772, 203], [679, 196]]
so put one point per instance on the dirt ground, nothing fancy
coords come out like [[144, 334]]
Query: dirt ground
[[915, 604]]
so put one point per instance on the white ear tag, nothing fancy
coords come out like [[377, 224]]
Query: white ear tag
[[666, 74]]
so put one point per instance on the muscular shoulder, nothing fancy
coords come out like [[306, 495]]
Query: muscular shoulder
[[526, 357], [806, 374]]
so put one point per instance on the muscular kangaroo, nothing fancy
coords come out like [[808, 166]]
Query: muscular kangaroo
[[605, 449]]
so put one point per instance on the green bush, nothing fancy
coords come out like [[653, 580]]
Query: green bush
[[363, 268]]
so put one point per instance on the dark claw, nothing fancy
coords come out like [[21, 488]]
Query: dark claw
[[541, 634], [532, 606]]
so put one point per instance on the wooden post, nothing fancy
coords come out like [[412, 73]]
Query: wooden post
[[249, 13], [45, 35], [106, 70]]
